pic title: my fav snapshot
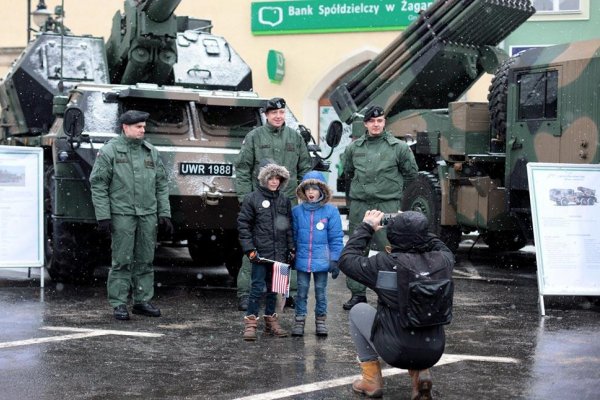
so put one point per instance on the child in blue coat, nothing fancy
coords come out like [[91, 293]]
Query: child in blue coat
[[319, 238]]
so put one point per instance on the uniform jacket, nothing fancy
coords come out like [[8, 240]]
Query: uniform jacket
[[317, 228], [283, 145], [264, 222], [128, 178], [402, 348], [379, 168]]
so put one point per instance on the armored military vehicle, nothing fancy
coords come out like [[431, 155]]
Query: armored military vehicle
[[543, 107], [66, 92]]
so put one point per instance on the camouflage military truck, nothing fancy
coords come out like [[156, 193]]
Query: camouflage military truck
[[543, 107], [581, 196], [66, 92]]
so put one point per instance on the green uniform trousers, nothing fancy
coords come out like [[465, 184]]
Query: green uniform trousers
[[379, 240], [133, 243], [244, 279]]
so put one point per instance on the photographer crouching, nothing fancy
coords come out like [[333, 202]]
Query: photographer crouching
[[413, 282]]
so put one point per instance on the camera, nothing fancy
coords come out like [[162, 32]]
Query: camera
[[387, 217]]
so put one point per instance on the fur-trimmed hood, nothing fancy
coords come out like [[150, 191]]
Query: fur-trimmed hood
[[271, 170], [314, 178]]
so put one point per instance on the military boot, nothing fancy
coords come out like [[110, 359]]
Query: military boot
[[272, 326], [298, 329], [354, 300], [120, 312], [321, 328], [250, 323], [146, 309], [371, 384], [421, 384], [290, 302], [243, 302]]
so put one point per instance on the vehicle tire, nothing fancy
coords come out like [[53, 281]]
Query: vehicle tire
[[206, 248], [504, 240], [564, 202], [209, 248], [75, 252], [425, 195], [71, 249], [583, 202], [498, 99], [233, 259]]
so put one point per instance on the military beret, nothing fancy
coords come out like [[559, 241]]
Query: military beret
[[275, 104], [133, 117], [373, 112]]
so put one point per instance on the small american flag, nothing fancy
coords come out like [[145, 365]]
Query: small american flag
[[281, 278]]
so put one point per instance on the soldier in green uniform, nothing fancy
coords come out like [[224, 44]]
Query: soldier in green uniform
[[283, 145], [130, 195], [379, 167]]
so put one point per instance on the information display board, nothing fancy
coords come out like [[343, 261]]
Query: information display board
[[21, 208], [566, 225]]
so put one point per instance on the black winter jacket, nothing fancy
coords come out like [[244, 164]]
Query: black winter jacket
[[402, 348], [264, 222]]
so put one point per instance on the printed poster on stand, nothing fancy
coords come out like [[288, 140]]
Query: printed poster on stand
[[566, 221], [21, 207]]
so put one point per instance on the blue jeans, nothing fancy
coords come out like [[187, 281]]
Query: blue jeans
[[261, 283], [320, 292]]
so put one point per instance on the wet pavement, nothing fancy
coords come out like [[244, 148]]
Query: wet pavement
[[62, 342]]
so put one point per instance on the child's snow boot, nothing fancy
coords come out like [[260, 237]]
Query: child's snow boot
[[298, 329], [272, 326]]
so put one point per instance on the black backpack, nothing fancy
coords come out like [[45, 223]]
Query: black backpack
[[424, 291]]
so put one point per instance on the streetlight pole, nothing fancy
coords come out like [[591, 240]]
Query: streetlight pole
[[28, 21]]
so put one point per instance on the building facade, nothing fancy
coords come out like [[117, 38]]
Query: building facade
[[301, 50]]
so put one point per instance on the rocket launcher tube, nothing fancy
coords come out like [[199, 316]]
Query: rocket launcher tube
[[422, 38], [418, 25], [419, 33], [456, 25], [160, 10]]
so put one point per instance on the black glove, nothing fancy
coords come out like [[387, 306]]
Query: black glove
[[291, 258], [333, 269], [165, 225], [253, 256], [105, 226]]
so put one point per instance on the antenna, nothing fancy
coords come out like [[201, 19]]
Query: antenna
[[61, 85]]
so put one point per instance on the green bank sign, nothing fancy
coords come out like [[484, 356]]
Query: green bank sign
[[318, 16]]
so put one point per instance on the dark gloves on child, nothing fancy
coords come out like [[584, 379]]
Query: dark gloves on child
[[253, 256], [291, 258], [333, 269]]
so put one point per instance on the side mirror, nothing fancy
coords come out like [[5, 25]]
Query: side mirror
[[334, 134], [305, 133], [73, 122]]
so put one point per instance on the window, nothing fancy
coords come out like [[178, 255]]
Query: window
[[514, 50], [538, 95], [557, 6], [166, 117], [228, 121]]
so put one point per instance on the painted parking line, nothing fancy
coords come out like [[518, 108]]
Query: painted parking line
[[313, 387], [80, 333]]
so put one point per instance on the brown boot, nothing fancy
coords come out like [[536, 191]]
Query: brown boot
[[421, 384], [272, 326], [250, 323], [371, 383]]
